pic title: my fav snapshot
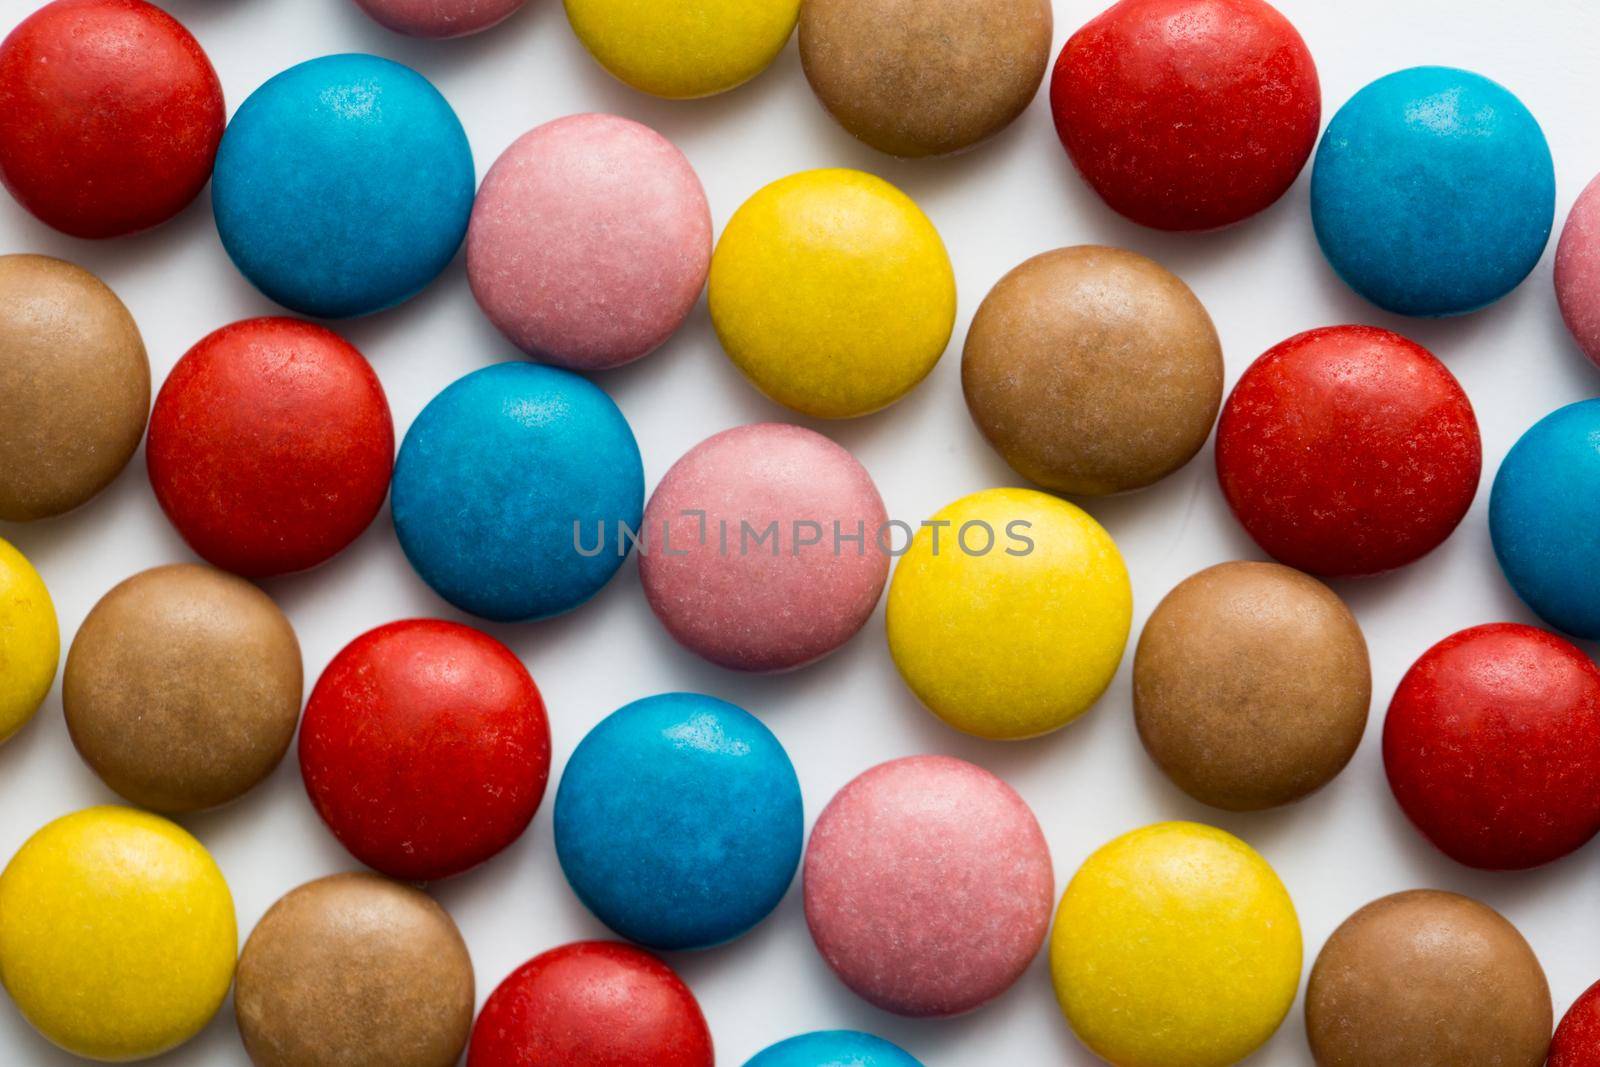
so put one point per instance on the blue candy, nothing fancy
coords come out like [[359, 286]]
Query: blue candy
[[678, 821], [343, 185], [1433, 192], [834, 1048], [492, 478]]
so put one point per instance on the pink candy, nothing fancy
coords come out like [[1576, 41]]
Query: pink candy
[[439, 18], [1578, 271]]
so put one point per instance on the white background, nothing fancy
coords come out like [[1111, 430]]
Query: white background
[[1012, 198]]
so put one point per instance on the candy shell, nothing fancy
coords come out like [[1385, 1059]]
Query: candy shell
[[928, 886], [512, 491], [687, 48], [925, 77], [271, 446], [1187, 114], [425, 748], [727, 590], [343, 185], [1433, 192], [354, 970], [1009, 613], [1427, 979], [1348, 451], [1093, 370], [119, 936], [1577, 1039], [110, 114], [74, 387], [834, 1048], [440, 18], [832, 292], [678, 821], [1577, 273], [591, 1004], [30, 640], [182, 689], [590, 242], [1176, 946]]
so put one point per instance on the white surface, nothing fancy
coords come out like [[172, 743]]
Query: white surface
[[1014, 197]]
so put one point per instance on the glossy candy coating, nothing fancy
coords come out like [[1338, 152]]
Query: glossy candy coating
[[687, 48], [30, 640], [440, 18], [1577, 274], [1577, 1039], [834, 1048]]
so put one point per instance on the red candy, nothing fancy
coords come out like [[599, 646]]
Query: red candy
[[1492, 746], [271, 446], [1187, 114], [110, 114], [1577, 1040], [425, 748], [591, 1004], [1348, 451]]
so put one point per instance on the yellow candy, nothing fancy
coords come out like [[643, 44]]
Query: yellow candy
[[1175, 946], [30, 643], [684, 48], [832, 292], [117, 934], [1016, 641]]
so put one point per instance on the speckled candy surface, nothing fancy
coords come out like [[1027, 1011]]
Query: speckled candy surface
[[1348, 451], [834, 1048], [30, 640], [511, 488], [425, 748], [1433, 192], [744, 599], [590, 241], [684, 49], [928, 886], [343, 185], [1577, 273], [440, 18], [1187, 114], [678, 821], [1008, 616], [1176, 946], [1577, 1039], [119, 936], [832, 292]]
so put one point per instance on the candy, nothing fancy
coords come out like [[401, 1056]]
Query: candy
[[343, 185], [687, 48], [1093, 370], [834, 1048], [925, 77], [1427, 979], [766, 550], [119, 936], [1433, 192], [590, 241], [270, 446], [425, 748], [1009, 613], [928, 886], [110, 114], [1578, 271], [182, 689], [74, 387], [440, 18], [515, 491], [1187, 114], [30, 640], [1176, 946], [1543, 516], [832, 292], [1348, 451], [678, 821], [591, 1004], [1577, 1040]]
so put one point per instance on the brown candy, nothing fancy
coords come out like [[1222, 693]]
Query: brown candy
[[182, 688], [1093, 370], [925, 77], [74, 387], [1427, 979], [1251, 685], [354, 971]]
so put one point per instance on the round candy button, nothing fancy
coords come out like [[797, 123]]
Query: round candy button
[[591, 1004], [440, 18], [832, 292], [515, 492], [1578, 271], [1577, 1040], [687, 48], [425, 748], [119, 936], [1009, 613], [1433, 192], [678, 821], [110, 114], [834, 1048], [343, 185], [30, 640], [1144, 930], [1348, 451]]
